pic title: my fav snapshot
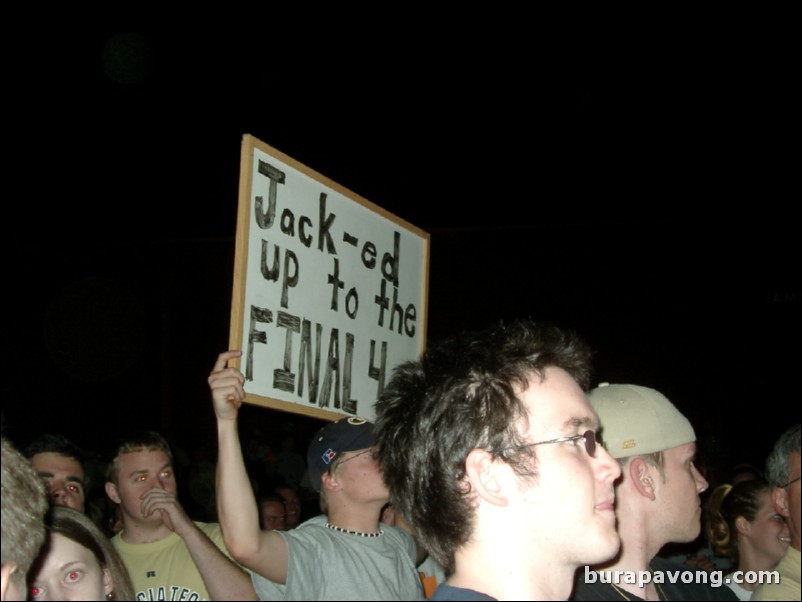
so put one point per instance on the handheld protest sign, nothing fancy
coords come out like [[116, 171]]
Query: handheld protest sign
[[330, 291]]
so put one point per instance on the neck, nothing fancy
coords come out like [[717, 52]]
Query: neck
[[633, 557], [357, 518], [647, 592], [630, 592], [751, 559], [510, 575], [635, 554]]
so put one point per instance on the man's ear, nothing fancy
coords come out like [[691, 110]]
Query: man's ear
[[483, 474], [779, 497], [640, 473], [329, 481], [111, 491]]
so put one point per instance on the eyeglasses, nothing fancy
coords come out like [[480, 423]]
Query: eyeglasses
[[791, 482], [369, 450], [591, 441]]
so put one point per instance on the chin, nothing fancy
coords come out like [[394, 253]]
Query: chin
[[692, 534], [605, 548]]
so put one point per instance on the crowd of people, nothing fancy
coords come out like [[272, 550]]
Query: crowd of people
[[494, 470]]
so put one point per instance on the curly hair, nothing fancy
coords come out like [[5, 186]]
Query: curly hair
[[24, 504], [778, 464]]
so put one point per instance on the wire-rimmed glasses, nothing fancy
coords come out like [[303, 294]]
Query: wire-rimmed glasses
[[791, 482], [590, 437]]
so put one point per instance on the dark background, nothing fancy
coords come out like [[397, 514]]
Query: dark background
[[639, 193]]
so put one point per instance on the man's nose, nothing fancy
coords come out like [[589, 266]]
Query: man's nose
[[56, 489], [59, 496]]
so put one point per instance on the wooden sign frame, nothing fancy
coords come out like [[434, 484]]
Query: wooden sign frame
[[330, 290]]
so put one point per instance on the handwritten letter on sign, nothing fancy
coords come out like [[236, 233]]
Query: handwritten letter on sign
[[330, 290]]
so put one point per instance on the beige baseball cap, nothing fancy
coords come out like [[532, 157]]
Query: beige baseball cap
[[638, 420]]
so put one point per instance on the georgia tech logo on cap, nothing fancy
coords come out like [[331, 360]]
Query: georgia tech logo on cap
[[356, 421]]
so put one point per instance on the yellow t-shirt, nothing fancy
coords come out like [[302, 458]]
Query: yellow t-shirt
[[789, 587], [164, 569]]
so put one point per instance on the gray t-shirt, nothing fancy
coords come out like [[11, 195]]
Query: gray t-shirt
[[329, 565]]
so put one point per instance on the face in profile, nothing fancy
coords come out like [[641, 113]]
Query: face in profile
[[68, 571], [768, 533], [680, 494], [358, 475], [572, 500]]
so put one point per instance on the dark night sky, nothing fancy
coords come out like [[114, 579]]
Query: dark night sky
[[640, 198]]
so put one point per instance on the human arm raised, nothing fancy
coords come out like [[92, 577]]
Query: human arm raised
[[264, 552]]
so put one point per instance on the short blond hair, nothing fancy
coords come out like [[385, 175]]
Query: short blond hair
[[143, 441]]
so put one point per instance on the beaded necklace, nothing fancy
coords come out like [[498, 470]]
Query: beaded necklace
[[349, 532]]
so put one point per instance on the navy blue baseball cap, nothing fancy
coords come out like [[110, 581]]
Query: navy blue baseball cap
[[347, 434]]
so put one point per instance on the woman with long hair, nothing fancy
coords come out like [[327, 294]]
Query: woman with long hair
[[78, 562], [743, 526]]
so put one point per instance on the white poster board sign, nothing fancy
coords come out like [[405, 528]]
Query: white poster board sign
[[330, 291]]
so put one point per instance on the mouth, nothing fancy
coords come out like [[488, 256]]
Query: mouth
[[606, 506], [785, 538]]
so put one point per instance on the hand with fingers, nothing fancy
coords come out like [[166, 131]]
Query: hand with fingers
[[165, 503], [227, 386]]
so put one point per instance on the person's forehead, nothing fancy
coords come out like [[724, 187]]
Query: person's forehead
[[56, 462], [681, 452], [557, 403], [145, 457], [62, 548], [765, 505], [279, 506], [288, 494]]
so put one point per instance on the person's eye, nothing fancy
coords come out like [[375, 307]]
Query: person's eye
[[37, 592], [73, 577], [166, 474], [73, 488], [141, 478]]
